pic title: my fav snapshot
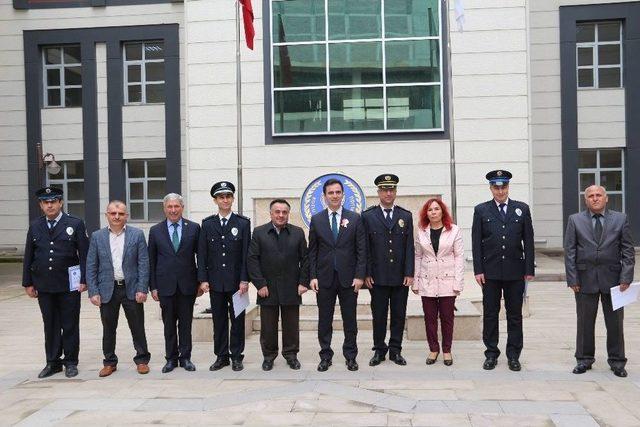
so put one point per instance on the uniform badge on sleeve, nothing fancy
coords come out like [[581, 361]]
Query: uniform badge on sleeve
[[401, 222], [234, 231], [518, 211], [70, 231]]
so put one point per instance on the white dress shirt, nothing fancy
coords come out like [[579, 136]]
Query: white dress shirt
[[506, 205], [338, 216], [384, 214], [228, 217], [116, 241]]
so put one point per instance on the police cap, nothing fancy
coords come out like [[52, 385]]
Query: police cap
[[49, 193], [499, 177], [386, 180], [222, 187]]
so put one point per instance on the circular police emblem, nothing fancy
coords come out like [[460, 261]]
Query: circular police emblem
[[499, 173], [70, 231], [234, 231], [48, 190], [518, 211], [312, 200]]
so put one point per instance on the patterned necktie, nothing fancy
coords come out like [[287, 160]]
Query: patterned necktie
[[334, 225], [52, 223], [175, 239], [387, 216], [598, 227], [503, 212]]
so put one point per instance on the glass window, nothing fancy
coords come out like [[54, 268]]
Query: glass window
[[603, 167], [599, 55], [71, 180], [146, 186], [356, 66], [62, 76], [143, 72]]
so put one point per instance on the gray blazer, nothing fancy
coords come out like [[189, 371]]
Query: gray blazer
[[135, 264], [598, 266]]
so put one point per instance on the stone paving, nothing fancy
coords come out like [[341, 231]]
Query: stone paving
[[544, 393]]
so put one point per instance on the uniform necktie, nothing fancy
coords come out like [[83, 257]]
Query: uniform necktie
[[503, 212], [387, 216], [334, 225], [224, 222], [175, 239], [598, 228], [52, 223]]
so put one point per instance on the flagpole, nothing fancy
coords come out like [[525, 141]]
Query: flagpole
[[239, 109], [452, 140]]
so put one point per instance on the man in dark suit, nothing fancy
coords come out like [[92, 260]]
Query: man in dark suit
[[503, 259], [599, 255], [118, 275], [55, 243], [173, 279], [337, 267], [390, 263], [222, 270], [277, 265]]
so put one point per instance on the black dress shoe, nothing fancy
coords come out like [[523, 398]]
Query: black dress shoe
[[71, 371], [431, 361], [49, 370], [398, 359], [352, 365], [324, 365], [581, 368], [377, 359], [237, 365], [490, 363], [169, 366], [267, 365], [619, 372], [187, 365], [514, 365], [219, 364], [294, 363]]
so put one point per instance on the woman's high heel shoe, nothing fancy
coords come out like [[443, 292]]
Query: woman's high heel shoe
[[447, 361], [431, 361]]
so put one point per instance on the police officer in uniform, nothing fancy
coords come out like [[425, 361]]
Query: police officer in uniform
[[55, 242], [222, 270], [390, 265], [503, 259]]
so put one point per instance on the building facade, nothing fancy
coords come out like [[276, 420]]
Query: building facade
[[137, 98]]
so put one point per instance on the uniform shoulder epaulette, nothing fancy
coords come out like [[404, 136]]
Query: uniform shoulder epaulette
[[242, 216], [209, 217], [74, 217], [402, 209], [370, 208]]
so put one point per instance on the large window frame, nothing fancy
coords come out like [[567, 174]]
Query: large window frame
[[595, 65], [144, 81], [144, 180], [385, 106], [597, 172], [62, 180], [61, 68]]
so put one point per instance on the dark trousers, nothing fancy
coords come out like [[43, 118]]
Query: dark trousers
[[586, 310], [513, 293], [433, 308], [177, 314], [226, 343], [61, 318], [290, 315], [381, 298], [326, 298], [134, 312]]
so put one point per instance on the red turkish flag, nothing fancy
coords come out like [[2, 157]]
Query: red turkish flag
[[247, 18]]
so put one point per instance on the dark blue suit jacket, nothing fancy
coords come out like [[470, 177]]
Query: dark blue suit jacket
[[222, 254], [49, 254], [347, 256], [171, 270]]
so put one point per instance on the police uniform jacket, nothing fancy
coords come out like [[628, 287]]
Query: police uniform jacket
[[278, 261], [503, 249], [222, 254], [48, 254], [390, 249]]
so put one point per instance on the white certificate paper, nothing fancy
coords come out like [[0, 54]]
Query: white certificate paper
[[74, 278], [240, 302], [620, 299]]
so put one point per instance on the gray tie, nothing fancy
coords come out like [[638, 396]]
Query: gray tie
[[598, 227]]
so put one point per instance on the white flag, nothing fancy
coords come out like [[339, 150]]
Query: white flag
[[459, 9]]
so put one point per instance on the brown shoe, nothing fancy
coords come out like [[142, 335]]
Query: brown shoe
[[143, 368], [107, 370]]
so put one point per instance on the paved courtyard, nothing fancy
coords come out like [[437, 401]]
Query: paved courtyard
[[544, 393]]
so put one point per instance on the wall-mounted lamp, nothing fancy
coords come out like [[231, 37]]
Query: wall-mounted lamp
[[53, 168]]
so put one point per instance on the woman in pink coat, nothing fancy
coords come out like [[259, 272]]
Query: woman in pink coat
[[439, 274]]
